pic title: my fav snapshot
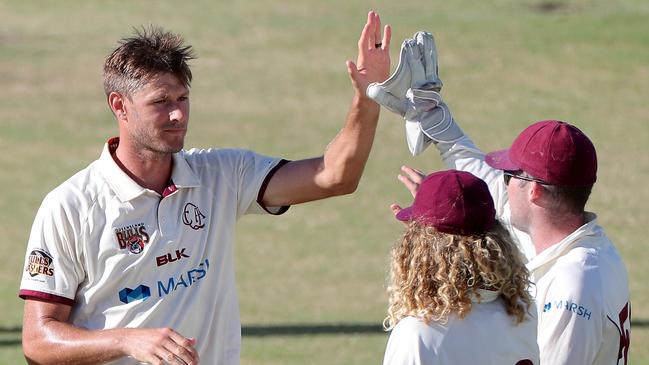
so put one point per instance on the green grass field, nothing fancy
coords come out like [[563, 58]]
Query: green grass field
[[271, 77]]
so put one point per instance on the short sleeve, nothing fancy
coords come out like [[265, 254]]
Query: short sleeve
[[52, 271], [237, 176], [255, 172]]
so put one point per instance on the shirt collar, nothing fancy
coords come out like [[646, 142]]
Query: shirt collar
[[590, 228], [126, 189], [182, 174]]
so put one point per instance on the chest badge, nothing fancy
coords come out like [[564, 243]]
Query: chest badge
[[193, 217], [132, 237]]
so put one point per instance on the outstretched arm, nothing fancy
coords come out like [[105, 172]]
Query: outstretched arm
[[339, 170], [49, 339]]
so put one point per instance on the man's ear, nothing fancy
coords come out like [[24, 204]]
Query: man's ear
[[536, 192], [117, 105]]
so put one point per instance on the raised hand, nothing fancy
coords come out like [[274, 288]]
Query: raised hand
[[373, 61], [411, 178]]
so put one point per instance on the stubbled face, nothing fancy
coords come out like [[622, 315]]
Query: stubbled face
[[517, 191], [158, 115]]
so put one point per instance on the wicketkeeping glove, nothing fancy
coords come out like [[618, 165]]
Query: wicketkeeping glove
[[417, 67], [413, 93]]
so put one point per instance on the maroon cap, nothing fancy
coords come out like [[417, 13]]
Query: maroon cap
[[552, 151], [453, 202]]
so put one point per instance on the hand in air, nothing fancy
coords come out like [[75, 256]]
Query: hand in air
[[373, 62], [411, 178]]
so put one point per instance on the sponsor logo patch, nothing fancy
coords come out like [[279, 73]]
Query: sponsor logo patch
[[177, 283], [569, 306], [183, 280], [127, 295], [40, 262], [132, 238], [193, 217], [169, 257]]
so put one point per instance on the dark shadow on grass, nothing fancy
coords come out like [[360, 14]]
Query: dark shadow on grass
[[305, 329], [282, 329], [10, 343], [640, 323], [338, 329], [311, 329]]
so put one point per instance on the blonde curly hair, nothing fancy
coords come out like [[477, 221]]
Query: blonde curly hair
[[435, 274]]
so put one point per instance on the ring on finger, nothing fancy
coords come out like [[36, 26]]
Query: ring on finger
[[378, 45]]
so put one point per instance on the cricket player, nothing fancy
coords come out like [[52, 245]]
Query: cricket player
[[540, 186], [458, 283], [131, 259]]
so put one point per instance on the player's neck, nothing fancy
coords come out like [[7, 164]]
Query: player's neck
[[150, 170], [547, 231]]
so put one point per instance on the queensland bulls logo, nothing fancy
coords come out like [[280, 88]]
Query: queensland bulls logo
[[193, 217], [135, 244], [132, 238]]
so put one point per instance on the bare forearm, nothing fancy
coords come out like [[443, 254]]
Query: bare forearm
[[346, 155], [63, 343], [338, 171]]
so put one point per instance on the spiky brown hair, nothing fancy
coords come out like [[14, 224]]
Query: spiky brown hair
[[150, 52]]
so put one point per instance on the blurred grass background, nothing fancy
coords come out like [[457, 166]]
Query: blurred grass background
[[271, 77]]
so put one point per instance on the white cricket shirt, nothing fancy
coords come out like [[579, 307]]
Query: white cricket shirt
[[582, 288], [487, 335], [124, 256], [583, 299]]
